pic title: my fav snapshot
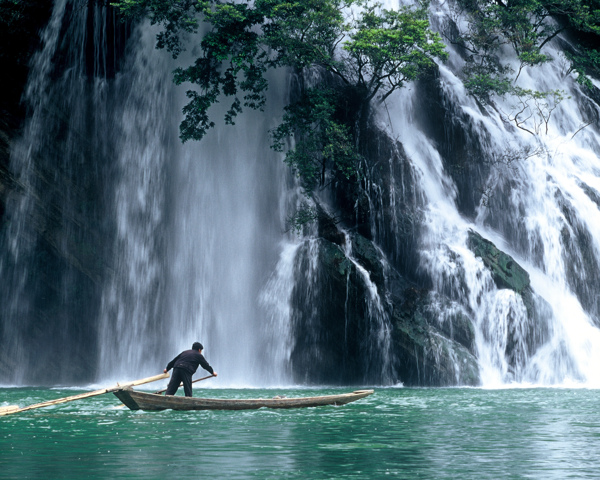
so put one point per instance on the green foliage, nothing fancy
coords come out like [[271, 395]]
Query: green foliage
[[586, 62], [533, 109], [303, 33], [388, 48], [303, 215], [381, 49], [321, 142], [370, 50], [176, 17], [233, 63], [484, 84]]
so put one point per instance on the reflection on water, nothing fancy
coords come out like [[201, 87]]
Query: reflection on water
[[403, 433]]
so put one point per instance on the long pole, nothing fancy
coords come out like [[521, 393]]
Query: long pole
[[15, 408], [181, 384]]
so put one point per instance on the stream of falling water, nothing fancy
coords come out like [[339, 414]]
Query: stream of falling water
[[540, 207], [198, 234], [185, 236]]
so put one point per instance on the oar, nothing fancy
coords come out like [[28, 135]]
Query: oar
[[181, 384], [15, 408]]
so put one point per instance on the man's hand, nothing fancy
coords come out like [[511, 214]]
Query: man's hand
[[165, 370], [214, 374]]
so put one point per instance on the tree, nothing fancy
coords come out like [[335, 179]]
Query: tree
[[388, 48], [322, 142], [534, 109], [526, 26], [586, 62]]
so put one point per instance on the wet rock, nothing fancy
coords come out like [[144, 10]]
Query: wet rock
[[454, 325], [336, 325], [506, 272], [368, 256], [424, 355], [329, 322], [328, 229]]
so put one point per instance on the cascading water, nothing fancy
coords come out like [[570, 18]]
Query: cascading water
[[540, 205], [224, 239], [377, 341], [196, 236], [131, 313], [52, 261], [184, 235]]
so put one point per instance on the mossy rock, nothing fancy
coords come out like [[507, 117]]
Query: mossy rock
[[506, 272]]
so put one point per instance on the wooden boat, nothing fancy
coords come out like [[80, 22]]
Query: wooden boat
[[151, 401]]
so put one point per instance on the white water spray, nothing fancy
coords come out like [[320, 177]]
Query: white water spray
[[187, 236]]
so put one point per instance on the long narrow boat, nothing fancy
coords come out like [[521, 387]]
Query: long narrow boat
[[150, 401]]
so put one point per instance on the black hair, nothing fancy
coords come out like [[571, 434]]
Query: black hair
[[197, 346]]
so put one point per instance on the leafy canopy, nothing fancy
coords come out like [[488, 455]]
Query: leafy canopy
[[371, 48], [322, 142]]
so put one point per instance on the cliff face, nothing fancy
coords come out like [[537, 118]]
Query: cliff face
[[419, 330], [366, 313]]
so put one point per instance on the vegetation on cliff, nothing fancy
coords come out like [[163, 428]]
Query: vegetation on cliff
[[362, 53]]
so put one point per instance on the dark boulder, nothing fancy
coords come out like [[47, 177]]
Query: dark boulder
[[426, 353]]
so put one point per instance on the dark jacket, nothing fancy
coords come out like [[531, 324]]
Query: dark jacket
[[189, 361]]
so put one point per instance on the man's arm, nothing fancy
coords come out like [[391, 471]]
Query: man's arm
[[205, 365], [171, 363]]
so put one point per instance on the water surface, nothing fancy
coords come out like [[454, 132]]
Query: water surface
[[453, 433]]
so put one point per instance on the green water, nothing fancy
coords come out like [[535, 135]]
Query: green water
[[396, 433]]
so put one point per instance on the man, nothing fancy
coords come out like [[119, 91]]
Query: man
[[184, 366]]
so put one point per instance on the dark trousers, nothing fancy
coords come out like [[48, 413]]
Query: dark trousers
[[180, 375]]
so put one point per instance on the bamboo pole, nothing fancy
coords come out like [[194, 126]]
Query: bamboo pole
[[181, 384], [15, 409]]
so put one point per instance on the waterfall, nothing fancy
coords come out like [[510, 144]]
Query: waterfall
[[197, 233], [131, 315], [183, 238], [121, 246], [538, 203], [52, 259], [377, 341]]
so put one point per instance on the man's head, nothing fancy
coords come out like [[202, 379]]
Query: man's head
[[197, 346]]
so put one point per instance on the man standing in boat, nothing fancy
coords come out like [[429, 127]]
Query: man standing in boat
[[184, 366]]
